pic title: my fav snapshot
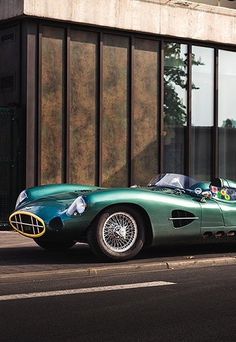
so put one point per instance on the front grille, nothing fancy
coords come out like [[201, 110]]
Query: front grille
[[27, 224]]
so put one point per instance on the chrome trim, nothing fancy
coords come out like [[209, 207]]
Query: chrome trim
[[27, 224], [183, 218]]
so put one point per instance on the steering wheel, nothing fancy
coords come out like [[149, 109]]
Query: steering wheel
[[179, 191]]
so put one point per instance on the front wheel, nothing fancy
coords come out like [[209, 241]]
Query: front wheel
[[117, 234], [54, 244]]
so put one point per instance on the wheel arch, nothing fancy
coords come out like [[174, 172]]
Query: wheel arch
[[146, 219]]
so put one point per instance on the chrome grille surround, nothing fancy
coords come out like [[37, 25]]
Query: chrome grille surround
[[27, 224]]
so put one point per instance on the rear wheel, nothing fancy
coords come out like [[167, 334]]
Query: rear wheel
[[55, 244], [117, 233]]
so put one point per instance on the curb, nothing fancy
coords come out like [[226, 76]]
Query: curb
[[219, 261], [133, 268], [163, 265]]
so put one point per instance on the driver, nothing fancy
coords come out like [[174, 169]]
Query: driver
[[225, 193]]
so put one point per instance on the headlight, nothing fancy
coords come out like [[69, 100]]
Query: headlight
[[22, 196], [77, 207]]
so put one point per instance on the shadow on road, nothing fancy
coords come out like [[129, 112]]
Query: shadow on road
[[81, 255]]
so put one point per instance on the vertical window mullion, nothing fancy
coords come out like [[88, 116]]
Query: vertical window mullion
[[215, 129], [100, 108], [189, 111], [161, 115], [131, 111], [68, 104], [65, 119], [38, 173]]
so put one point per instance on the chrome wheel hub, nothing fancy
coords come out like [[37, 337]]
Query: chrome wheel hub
[[119, 232]]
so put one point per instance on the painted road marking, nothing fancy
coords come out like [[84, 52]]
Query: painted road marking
[[83, 290]]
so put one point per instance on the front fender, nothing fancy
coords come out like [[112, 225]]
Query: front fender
[[43, 191]]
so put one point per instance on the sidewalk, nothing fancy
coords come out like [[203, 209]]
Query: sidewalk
[[20, 255]]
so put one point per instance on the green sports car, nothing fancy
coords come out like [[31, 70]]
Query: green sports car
[[118, 222]]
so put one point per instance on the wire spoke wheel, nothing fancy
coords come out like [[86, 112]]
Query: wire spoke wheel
[[117, 234], [120, 232]]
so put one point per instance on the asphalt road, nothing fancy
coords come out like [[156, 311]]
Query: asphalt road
[[189, 305], [73, 297]]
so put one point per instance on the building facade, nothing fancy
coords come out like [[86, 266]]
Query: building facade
[[112, 92]]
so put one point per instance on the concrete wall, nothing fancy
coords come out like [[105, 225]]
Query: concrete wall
[[176, 18], [11, 8]]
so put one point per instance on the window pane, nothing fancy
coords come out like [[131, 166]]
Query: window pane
[[83, 54], [227, 114], [52, 105], [202, 111], [114, 119], [175, 107], [146, 87]]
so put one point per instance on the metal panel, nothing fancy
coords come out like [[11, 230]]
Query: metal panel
[[130, 98]]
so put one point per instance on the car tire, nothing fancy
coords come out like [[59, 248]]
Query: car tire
[[54, 245], [117, 234]]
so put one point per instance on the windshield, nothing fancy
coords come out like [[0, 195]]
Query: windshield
[[172, 180]]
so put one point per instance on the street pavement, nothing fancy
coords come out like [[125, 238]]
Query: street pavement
[[165, 294], [20, 255], [185, 305]]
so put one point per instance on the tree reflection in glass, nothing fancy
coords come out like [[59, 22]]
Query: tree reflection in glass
[[227, 114], [202, 111], [175, 106]]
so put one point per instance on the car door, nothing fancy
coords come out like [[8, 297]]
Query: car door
[[220, 213], [178, 219], [212, 218], [228, 209]]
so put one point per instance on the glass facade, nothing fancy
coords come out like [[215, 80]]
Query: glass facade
[[202, 112], [52, 106], [145, 110], [114, 111], [227, 114], [116, 108], [83, 107], [175, 107]]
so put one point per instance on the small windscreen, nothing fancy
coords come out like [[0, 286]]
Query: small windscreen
[[172, 180]]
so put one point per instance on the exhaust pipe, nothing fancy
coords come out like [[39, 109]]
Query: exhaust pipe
[[220, 234], [232, 233]]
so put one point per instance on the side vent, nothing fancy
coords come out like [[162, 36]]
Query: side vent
[[182, 218]]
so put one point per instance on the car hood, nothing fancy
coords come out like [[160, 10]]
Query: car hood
[[52, 205]]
